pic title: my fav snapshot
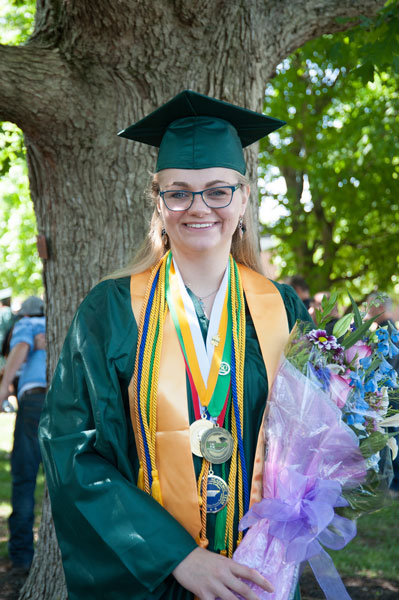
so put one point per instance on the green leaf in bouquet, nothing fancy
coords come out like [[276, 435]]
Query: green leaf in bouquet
[[327, 306], [356, 335], [356, 312], [366, 498], [342, 325], [373, 444]]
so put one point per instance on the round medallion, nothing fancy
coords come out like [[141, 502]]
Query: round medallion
[[224, 368], [216, 445], [217, 494], [197, 430]]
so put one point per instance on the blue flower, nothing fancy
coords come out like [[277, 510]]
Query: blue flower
[[354, 419], [395, 335], [356, 379], [385, 367], [361, 405], [358, 394], [323, 375], [382, 334], [393, 350], [383, 347], [392, 380], [371, 385], [366, 362]]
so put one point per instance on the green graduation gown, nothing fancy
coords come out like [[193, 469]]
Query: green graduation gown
[[117, 542]]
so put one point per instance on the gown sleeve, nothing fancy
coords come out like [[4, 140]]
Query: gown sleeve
[[116, 541]]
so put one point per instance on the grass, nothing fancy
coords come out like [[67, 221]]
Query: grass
[[6, 437], [375, 550]]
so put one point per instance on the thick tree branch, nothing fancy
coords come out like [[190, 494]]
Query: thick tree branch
[[296, 21], [33, 84]]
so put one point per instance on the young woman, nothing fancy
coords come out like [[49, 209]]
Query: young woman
[[151, 435]]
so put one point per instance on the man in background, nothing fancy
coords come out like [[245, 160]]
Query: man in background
[[27, 354], [6, 319], [302, 289]]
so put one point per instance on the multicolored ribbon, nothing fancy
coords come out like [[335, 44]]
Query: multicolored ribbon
[[203, 360]]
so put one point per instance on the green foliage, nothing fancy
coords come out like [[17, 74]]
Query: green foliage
[[338, 156], [378, 42], [20, 266], [16, 20]]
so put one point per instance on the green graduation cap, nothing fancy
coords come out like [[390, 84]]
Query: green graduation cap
[[193, 131]]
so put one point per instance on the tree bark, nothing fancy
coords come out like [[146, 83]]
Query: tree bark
[[91, 69]]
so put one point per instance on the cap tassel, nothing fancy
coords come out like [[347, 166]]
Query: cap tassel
[[156, 487]]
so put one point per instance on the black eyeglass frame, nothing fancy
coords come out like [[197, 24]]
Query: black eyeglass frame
[[233, 188]]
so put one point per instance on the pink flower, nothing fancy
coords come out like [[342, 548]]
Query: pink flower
[[339, 388], [358, 350]]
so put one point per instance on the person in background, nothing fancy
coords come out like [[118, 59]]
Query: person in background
[[27, 352], [6, 321], [6, 316], [302, 289]]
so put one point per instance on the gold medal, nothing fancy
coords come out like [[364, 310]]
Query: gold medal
[[217, 493], [216, 445], [197, 430]]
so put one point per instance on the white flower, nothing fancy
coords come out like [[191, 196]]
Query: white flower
[[372, 462], [392, 421], [334, 368], [392, 443]]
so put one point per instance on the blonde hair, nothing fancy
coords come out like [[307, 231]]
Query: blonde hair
[[245, 250]]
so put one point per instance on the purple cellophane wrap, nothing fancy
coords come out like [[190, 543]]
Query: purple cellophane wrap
[[311, 455]]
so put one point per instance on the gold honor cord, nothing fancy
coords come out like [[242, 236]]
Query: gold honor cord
[[238, 316], [235, 475], [146, 390]]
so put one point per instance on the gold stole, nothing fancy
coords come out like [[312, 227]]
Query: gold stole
[[173, 450]]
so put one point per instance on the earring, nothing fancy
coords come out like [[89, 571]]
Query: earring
[[165, 238], [241, 228]]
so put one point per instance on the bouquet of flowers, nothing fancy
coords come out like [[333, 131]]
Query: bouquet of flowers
[[325, 432]]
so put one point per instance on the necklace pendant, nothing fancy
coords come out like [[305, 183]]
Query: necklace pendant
[[215, 340], [197, 429], [217, 493], [216, 445]]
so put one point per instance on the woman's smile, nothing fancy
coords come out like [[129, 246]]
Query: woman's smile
[[199, 225]]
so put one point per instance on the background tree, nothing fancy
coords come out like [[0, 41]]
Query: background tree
[[20, 267], [338, 156], [88, 70]]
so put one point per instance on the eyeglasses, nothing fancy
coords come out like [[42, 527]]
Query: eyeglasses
[[217, 197]]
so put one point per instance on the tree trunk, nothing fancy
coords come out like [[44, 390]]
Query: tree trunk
[[91, 69]]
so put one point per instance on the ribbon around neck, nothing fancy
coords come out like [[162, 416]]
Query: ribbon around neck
[[302, 516], [203, 361]]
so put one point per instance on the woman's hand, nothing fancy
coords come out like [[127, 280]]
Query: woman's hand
[[210, 576]]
